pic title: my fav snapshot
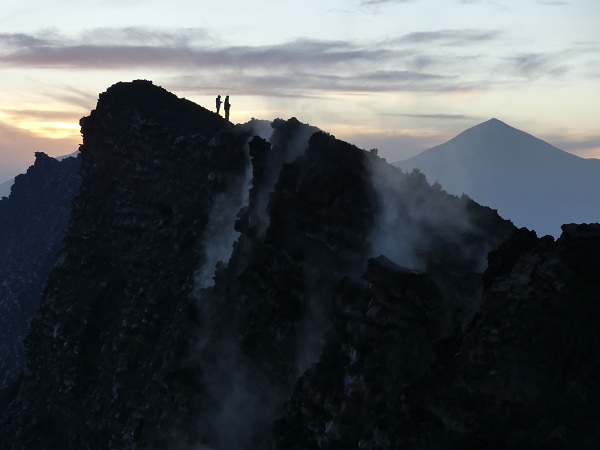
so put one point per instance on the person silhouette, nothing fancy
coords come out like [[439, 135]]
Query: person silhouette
[[227, 106], [218, 103]]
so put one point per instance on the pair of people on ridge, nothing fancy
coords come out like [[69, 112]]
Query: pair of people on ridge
[[226, 106]]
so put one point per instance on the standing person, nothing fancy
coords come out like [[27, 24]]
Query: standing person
[[218, 103], [227, 106]]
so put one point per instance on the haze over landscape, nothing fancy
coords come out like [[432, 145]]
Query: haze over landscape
[[216, 290], [393, 240], [401, 76]]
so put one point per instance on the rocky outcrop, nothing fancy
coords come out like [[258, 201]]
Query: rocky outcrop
[[33, 220], [519, 373], [225, 291]]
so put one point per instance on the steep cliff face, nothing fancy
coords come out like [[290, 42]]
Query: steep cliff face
[[219, 290], [106, 351], [33, 220]]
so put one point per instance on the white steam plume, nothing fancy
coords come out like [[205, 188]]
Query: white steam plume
[[412, 215]]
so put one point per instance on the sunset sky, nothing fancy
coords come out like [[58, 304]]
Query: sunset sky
[[399, 75]]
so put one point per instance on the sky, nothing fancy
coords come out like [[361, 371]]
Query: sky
[[397, 75]]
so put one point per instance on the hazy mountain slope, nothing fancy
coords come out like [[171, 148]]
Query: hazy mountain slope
[[33, 221], [527, 180], [5, 188]]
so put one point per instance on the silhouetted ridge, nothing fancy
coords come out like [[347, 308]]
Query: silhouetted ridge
[[154, 103], [496, 123], [496, 128], [296, 292], [488, 135]]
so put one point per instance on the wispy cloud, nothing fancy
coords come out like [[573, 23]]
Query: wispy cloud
[[381, 2], [302, 67], [379, 81], [553, 2], [536, 65], [451, 37], [309, 84], [440, 116], [71, 95], [303, 63], [20, 40], [109, 49], [142, 36]]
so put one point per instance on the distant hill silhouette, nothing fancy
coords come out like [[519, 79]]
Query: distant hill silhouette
[[32, 224], [528, 181], [5, 187]]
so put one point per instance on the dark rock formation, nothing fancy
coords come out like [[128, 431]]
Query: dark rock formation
[[521, 373], [222, 291], [33, 220], [105, 352]]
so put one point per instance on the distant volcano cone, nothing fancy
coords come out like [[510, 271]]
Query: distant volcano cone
[[527, 180]]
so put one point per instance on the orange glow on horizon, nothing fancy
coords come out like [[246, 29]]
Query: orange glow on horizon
[[51, 130], [34, 121]]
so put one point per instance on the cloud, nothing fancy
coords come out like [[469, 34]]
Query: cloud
[[441, 116], [536, 65], [417, 61], [70, 95], [311, 85], [552, 2], [301, 65], [380, 2], [451, 37], [141, 36], [20, 40], [478, 2], [107, 48]]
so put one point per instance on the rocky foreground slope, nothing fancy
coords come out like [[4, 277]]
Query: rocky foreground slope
[[217, 290]]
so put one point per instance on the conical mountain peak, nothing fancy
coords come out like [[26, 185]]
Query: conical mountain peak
[[528, 180], [495, 130]]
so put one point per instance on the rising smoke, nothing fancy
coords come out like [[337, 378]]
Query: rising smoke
[[220, 234], [237, 410], [289, 140], [415, 220]]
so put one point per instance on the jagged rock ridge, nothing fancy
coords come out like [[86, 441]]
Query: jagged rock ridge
[[518, 373], [222, 291]]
